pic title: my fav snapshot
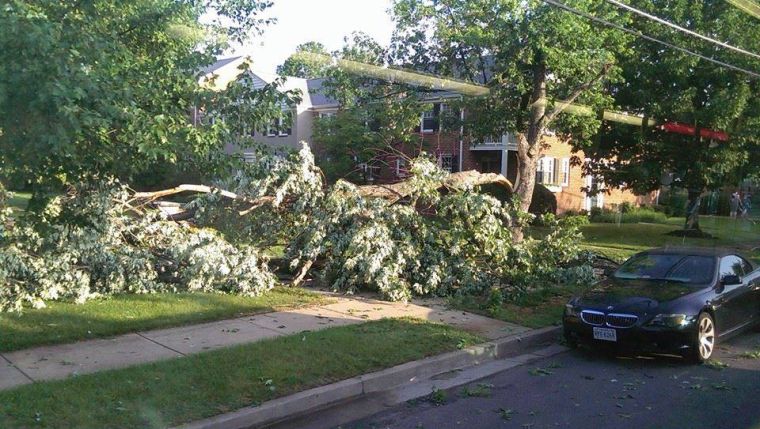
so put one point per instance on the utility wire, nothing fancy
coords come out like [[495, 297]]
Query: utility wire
[[681, 29], [747, 6], [650, 38]]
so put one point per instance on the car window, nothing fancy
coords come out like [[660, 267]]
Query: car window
[[693, 269], [675, 267], [731, 266], [746, 266]]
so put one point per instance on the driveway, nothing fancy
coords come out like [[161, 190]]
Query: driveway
[[580, 389]]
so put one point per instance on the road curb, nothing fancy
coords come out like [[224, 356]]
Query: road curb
[[318, 398]]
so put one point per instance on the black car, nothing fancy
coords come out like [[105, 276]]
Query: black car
[[669, 300]]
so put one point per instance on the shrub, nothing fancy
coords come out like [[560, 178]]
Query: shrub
[[543, 201], [674, 200], [575, 220], [633, 215]]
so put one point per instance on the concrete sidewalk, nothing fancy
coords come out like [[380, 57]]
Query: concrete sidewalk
[[61, 361]]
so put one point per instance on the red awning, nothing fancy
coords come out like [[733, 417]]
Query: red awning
[[688, 130]]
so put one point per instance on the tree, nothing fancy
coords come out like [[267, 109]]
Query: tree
[[667, 85], [106, 87], [301, 66], [529, 54], [376, 118]]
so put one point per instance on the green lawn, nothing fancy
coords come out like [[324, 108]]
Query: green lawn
[[190, 388], [63, 322], [621, 241]]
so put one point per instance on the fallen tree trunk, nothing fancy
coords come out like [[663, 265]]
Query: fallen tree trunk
[[462, 180], [393, 192], [145, 198]]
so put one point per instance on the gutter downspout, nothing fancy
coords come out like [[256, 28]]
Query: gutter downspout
[[461, 137]]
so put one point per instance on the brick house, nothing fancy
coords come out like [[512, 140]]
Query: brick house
[[453, 150]]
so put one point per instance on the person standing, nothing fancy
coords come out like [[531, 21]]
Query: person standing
[[734, 204]]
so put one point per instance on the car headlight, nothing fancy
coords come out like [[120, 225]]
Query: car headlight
[[570, 310], [670, 320]]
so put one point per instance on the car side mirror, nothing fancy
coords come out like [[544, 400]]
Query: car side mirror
[[730, 279]]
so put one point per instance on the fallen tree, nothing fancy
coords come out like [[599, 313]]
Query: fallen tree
[[106, 239]]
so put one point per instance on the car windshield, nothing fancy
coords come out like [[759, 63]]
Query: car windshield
[[676, 268]]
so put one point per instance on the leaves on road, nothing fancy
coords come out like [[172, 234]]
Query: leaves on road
[[541, 372], [481, 390], [506, 414]]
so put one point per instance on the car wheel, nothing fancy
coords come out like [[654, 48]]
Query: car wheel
[[704, 343]]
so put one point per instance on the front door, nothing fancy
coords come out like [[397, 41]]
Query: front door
[[596, 200]]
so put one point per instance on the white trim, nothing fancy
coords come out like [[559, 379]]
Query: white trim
[[461, 137], [565, 171]]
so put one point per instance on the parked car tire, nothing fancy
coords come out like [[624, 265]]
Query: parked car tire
[[704, 339]]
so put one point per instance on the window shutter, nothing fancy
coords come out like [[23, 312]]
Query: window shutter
[[555, 171]]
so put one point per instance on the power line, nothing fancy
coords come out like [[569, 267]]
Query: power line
[[681, 29], [650, 38], [747, 6], [413, 77]]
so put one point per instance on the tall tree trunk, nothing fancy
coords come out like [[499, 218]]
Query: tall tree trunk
[[528, 144], [694, 190], [692, 210]]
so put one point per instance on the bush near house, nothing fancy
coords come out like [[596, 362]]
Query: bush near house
[[628, 214]]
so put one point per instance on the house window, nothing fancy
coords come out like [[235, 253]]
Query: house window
[[565, 171], [429, 121], [371, 172], [545, 173], [401, 170], [491, 141], [278, 127], [326, 114], [249, 157], [446, 162]]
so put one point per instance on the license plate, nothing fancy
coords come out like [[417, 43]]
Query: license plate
[[605, 334]]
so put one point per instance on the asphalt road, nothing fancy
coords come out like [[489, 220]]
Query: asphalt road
[[581, 389]]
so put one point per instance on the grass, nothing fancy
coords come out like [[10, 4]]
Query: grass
[[535, 310], [63, 322], [621, 241], [185, 389]]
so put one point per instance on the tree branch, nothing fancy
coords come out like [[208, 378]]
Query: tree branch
[[547, 119]]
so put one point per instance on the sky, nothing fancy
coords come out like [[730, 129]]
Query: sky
[[325, 21]]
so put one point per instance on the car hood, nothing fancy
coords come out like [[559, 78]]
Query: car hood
[[633, 296]]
